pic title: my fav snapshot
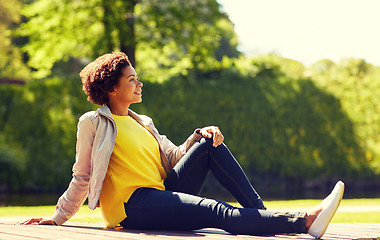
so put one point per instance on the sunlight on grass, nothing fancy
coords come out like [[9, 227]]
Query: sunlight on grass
[[83, 215], [39, 211], [307, 203], [350, 211], [356, 217]]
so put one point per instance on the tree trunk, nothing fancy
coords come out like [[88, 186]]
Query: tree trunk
[[127, 31], [108, 23]]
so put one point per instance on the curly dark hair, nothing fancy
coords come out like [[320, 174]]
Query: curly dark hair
[[100, 76]]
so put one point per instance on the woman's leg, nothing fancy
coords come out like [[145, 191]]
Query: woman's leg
[[152, 209], [189, 174]]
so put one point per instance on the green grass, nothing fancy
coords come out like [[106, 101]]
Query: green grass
[[83, 215], [351, 210], [313, 202]]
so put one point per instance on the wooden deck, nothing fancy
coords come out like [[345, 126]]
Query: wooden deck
[[94, 231]]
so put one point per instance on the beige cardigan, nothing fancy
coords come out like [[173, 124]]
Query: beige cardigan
[[95, 142]]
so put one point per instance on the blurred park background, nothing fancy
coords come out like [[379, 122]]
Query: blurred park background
[[295, 129]]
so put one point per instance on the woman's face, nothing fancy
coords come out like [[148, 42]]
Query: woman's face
[[129, 88]]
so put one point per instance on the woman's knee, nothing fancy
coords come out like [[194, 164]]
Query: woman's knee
[[207, 142]]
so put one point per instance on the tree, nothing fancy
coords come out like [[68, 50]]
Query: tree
[[187, 34], [11, 61], [58, 30], [322, 66], [182, 36], [118, 19], [356, 84]]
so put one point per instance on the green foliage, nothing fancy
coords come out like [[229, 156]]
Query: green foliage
[[176, 35], [279, 125], [356, 84], [40, 119], [281, 120], [11, 62], [12, 166], [58, 30]]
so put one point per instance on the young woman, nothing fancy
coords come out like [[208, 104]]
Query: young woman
[[141, 180]]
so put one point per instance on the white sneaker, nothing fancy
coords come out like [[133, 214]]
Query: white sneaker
[[330, 204]]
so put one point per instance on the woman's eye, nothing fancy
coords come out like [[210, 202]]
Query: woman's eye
[[133, 79]]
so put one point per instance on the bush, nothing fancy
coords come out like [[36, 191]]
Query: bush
[[283, 128], [41, 118], [12, 167]]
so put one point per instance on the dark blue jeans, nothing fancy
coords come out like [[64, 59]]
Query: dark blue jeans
[[179, 207]]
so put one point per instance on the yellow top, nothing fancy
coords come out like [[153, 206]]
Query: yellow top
[[135, 162]]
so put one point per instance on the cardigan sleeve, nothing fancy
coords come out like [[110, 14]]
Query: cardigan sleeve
[[75, 195], [175, 153]]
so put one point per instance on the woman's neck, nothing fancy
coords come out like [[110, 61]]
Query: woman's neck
[[118, 109]]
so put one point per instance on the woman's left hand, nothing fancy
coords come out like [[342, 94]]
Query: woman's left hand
[[214, 133], [39, 221]]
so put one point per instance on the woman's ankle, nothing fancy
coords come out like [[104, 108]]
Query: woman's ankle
[[311, 215]]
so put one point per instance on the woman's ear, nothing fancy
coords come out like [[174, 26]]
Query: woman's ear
[[111, 94]]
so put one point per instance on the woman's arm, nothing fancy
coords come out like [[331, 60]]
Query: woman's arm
[[214, 133], [73, 198], [175, 153], [39, 221]]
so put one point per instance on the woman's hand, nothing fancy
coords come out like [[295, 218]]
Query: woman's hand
[[214, 133], [39, 221]]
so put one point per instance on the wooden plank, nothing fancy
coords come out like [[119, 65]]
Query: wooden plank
[[293, 236], [65, 232], [95, 231], [353, 231], [15, 237], [362, 231]]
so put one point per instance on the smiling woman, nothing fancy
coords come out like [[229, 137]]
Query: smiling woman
[[125, 92], [100, 76], [141, 180]]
